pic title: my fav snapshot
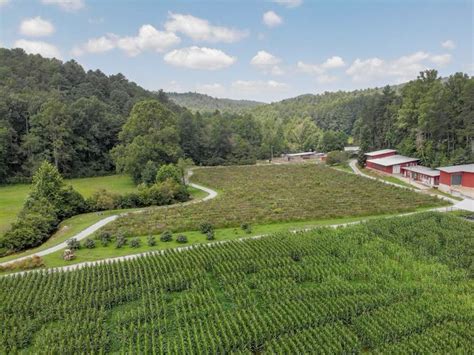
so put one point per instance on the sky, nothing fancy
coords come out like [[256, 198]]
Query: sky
[[263, 50]]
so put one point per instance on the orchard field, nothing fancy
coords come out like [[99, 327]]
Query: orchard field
[[276, 193], [399, 285]]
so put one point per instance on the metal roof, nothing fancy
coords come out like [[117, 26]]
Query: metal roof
[[393, 160], [465, 168], [423, 170], [379, 152], [300, 154]]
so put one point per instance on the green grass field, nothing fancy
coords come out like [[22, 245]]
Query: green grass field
[[12, 197], [400, 285], [275, 194], [389, 178]]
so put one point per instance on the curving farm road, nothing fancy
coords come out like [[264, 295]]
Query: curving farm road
[[96, 226]]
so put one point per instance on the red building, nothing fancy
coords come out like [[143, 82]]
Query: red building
[[422, 174], [391, 164], [457, 175], [380, 154]]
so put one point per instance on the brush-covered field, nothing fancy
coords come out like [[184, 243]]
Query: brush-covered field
[[12, 197], [401, 285], [277, 193]]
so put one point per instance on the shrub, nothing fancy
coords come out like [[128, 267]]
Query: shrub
[[105, 238], [182, 239], [151, 241], [336, 157], [210, 235], [135, 243], [246, 227], [73, 244], [166, 236], [103, 200], [168, 172], [25, 264], [121, 241], [89, 243], [206, 227]]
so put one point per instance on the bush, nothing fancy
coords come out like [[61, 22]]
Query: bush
[[151, 241], [89, 243], [121, 241], [135, 243], [210, 235], [246, 227], [336, 157], [166, 236], [206, 227], [182, 239], [25, 264], [102, 200], [168, 172], [73, 244], [105, 238]]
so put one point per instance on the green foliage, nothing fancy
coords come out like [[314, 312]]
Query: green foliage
[[206, 227], [166, 236], [181, 239], [105, 238], [151, 241], [246, 227], [204, 103], [336, 157], [350, 291], [73, 244], [135, 243], [332, 141], [120, 241], [89, 243], [169, 172]]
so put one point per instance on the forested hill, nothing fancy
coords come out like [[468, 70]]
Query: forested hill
[[59, 112], [204, 103]]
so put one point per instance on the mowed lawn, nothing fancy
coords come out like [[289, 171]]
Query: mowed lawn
[[275, 194], [12, 197]]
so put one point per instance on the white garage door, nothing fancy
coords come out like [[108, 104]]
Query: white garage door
[[396, 169]]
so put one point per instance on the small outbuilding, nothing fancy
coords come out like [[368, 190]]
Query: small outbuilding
[[456, 176], [380, 154], [391, 164], [422, 174], [302, 155]]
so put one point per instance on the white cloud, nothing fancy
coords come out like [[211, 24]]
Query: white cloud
[[4, 2], [289, 3], [333, 62], [258, 86], [326, 79], [67, 5], [36, 27], [448, 44], [148, 38], [199, 58], [38, 47], [441, 59], [271, 19], [401, 69], [313, 69], [267, 62], [201, 30]]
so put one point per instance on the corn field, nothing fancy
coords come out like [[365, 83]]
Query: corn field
[[364, 288]]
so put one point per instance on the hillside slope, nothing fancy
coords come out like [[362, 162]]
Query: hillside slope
[[204, 103]]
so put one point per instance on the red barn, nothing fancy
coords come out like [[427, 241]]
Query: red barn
[[456, 176], [380, 154], [392, 164], [422, 174]]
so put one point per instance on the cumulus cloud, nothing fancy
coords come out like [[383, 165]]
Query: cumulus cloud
[[67, 5], [201, 30], [267, 62], [333, 62], [400, 69], [258, 86], [199, 58], [38, 47], [148, 38], [4, 2], [448, 44], [36, 27], [271, 19], [289, 3]]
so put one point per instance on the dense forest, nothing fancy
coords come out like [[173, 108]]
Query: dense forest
[[195, 101], [88, 123]]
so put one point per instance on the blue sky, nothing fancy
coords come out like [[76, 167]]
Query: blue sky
[[262, 50]]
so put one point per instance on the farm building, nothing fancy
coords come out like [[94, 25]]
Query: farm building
[[422, 174], [391, 164], [456, 176], [380, 154], [303, 155]]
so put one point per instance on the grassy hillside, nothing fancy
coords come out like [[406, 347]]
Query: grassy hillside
[[12, 197], [205, 103], [360, 289], [277, 193]]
